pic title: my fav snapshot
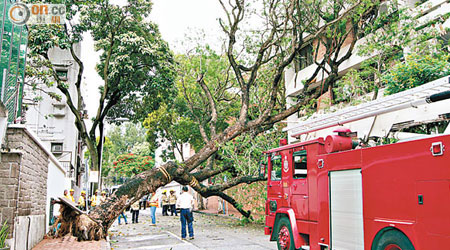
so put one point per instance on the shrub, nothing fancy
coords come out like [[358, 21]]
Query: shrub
[[415, 71]]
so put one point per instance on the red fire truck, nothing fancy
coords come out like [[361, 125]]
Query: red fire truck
[[325, 194]]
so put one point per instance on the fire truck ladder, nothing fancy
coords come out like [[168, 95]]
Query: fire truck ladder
[[431, 92]]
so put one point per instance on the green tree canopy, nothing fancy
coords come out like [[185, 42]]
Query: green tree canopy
[[124, 140], [135, 63]]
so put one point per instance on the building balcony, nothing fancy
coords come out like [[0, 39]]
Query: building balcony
[[428, 11]]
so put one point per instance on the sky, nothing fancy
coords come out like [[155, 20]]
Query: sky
[[177, 19]]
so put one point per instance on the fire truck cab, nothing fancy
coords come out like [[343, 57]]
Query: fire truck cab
[[324, 194]]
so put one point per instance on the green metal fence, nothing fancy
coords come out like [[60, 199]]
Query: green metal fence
[[13, 49]]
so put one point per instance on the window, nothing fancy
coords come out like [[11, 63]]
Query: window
[[445, 39], [275, 175], [300, 169], [305, 57]]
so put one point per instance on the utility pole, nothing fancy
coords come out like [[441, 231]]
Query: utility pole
[[102, 141]]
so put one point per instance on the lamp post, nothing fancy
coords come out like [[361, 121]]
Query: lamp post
[[102, 140]]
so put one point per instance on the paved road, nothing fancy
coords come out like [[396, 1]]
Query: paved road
[[211, 232]]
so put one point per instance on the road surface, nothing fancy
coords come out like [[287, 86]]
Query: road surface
[[211, 232]]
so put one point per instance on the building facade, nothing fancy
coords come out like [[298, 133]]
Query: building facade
[[383, 124], [52, 120]]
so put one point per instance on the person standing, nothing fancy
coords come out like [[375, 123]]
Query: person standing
[[143, 202], [165, 203], [186, 203], [123, 216], [95, 200], [135, 212], [172, 203], [71, 195], [82, 201], [66, 195], [103, 197], [153, 205]]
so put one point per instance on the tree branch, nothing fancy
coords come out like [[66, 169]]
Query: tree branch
[[212, 105], [191, 108], [208, 173], [217, 190]]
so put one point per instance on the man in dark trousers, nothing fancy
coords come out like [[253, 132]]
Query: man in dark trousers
[[165, 203], [186, 203], [172, 203]]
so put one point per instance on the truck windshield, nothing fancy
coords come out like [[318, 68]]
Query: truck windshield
[[275, 174]]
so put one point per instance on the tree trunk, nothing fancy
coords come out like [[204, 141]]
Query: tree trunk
[[200, 203], [96, 224]]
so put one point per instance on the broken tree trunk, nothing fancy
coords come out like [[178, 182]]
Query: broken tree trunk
[[94, 226]]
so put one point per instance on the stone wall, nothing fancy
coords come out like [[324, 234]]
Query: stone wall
[[9, 179], [251, 196], [23, 188], [33, 172]]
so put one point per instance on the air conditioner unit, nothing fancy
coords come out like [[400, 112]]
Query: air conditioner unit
[[57, 148], [59, 110]]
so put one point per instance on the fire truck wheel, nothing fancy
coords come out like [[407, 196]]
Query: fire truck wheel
[[285, 241], [394, 240]]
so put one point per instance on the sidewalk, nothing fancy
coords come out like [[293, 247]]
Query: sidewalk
[[70, 242]]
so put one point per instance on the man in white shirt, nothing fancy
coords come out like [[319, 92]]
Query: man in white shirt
[[186, 203]]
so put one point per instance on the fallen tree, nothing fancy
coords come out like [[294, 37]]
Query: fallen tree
[[288, 26]]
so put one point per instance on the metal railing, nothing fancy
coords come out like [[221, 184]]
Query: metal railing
[[68, 167]]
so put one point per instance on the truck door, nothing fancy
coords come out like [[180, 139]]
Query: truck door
[[299, 186], [274, 190]]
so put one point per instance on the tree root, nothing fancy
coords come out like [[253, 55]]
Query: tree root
[[70, 222]]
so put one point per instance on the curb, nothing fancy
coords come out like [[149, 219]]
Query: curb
[[107, 245], [217, 215]]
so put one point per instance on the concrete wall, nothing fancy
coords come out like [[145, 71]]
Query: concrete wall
[[28, 231], [3, 121], [252, 197], [56, 183]]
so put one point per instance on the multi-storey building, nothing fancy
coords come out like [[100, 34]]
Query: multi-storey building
[[381, 125], [52, 120]]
